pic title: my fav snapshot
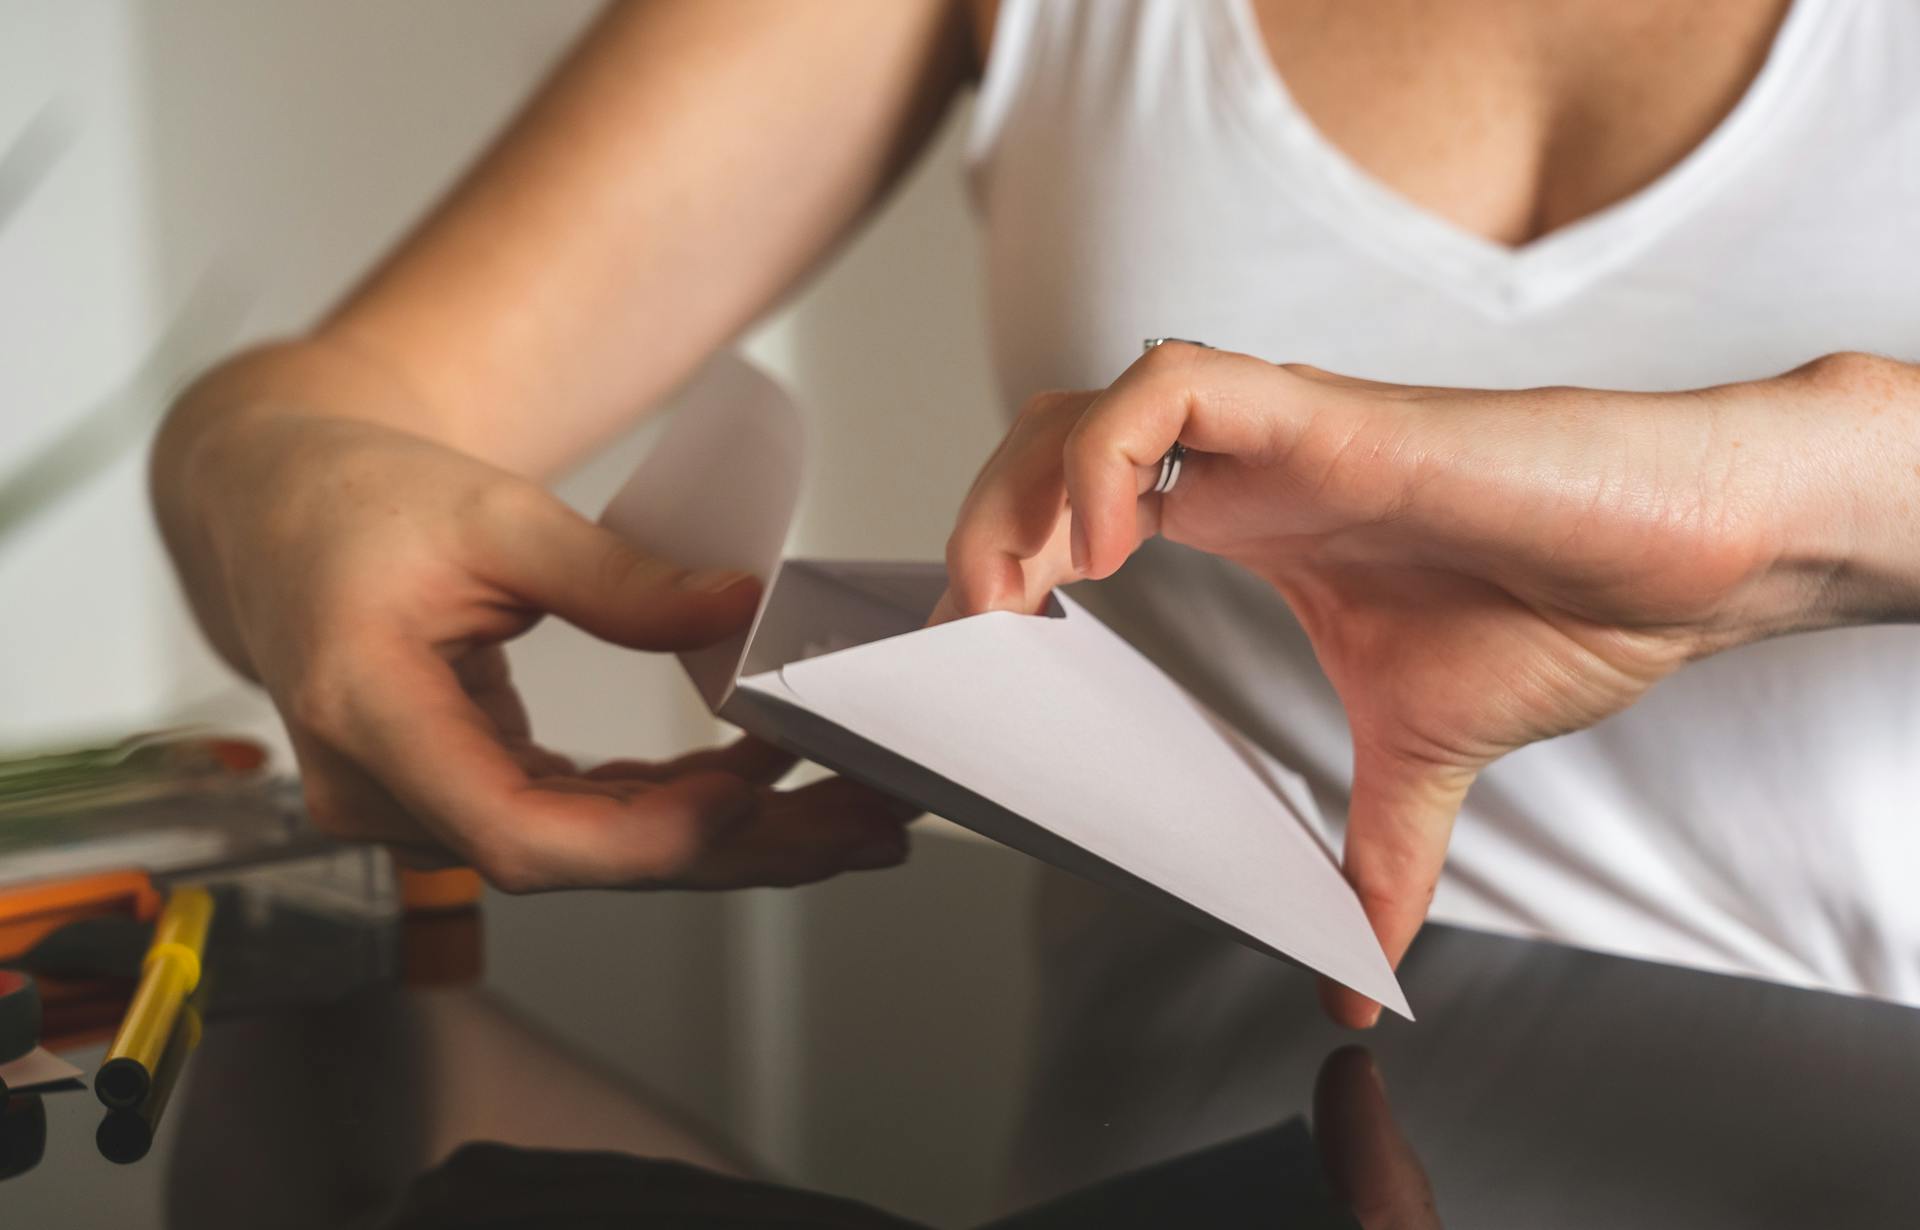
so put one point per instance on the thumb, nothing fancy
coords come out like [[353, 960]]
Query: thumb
[[594, 579], [1398, 823]]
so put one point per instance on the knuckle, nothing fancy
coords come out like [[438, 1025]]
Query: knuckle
[[967, 555], [1094, 442], [1037, 406], [505, 864], [1083, 435], [1848, 371], [1169, 357], [963, 545], [1048, 405], [684, 823], [1397, 897], [676, 845], [621, 568], [509, 502], [492, 514]]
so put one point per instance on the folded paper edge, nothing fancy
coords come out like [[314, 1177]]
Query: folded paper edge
[[754, 701], [1063, 606], [735, 436]]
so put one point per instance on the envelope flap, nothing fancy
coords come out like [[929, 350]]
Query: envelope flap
[[718, 492], [1062, 722]]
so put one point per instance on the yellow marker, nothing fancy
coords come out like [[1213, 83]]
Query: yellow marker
[[126, 1136], [169, 973]]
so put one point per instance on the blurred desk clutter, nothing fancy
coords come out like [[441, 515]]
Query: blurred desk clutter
[[167, 804], [339, 1065], [153, 884]]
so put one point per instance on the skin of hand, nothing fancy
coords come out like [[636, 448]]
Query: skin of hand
[[357, 516], [369, 579], [1476, 570]]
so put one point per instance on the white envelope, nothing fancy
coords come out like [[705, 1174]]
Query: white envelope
[[1047, 733]]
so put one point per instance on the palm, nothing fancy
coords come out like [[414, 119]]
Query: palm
[[1451, 671]]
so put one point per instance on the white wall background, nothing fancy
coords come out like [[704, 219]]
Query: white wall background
[[280, 145]]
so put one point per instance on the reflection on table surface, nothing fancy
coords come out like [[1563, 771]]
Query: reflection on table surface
[[1193, 1084], [1541, 1087]]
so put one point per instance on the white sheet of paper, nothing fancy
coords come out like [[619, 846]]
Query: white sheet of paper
[[719, 493], [1049, 733]]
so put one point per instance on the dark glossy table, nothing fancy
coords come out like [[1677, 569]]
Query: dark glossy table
[[1193, 1084]]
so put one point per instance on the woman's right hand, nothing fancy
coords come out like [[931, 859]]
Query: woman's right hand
[[369, 578]]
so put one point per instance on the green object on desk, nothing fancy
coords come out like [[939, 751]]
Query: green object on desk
[[50, 785]]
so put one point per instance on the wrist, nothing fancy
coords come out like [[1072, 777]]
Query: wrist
[[221, 460], [310, 378], [1831, 470]]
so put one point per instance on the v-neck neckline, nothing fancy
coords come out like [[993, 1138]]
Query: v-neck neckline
[[1502, 280]]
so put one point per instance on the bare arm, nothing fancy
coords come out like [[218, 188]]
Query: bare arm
[[356, 515], [1477, 570], [690, 163], [685, 166]]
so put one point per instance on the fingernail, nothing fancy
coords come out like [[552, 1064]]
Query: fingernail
[[713, 582], [1372, 1018], [1078, 536], [889, 851]]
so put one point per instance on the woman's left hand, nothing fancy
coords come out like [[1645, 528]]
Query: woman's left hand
[[1476, 570]]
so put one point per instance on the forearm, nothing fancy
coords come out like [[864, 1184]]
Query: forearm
[[689, 162], [684, 166]]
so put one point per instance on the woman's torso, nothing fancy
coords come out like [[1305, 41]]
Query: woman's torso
[[1144, 170]]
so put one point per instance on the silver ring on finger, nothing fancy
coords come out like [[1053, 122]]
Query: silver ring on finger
[[1171, 459], [1169, 469]]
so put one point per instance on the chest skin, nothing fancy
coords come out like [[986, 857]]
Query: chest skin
[[1513, 118]]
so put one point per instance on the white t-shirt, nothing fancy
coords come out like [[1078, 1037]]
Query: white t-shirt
[[1142, 172]]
